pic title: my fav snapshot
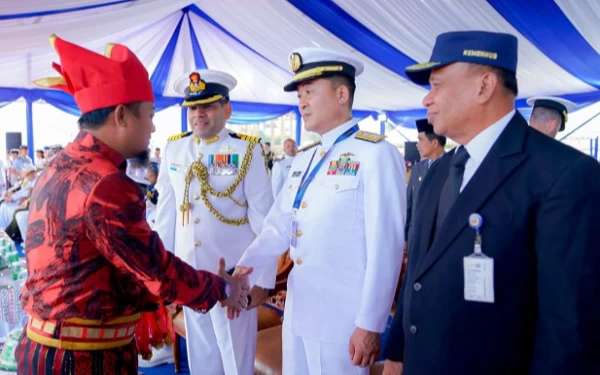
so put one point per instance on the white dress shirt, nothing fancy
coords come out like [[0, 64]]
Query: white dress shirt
[[479, 146]]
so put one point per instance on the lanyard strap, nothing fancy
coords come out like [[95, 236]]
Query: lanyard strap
[[307, 180]]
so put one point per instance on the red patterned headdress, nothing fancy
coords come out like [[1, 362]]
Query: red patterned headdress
[[99, 81]]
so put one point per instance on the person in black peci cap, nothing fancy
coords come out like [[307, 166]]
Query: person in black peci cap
[[431, 147], [549, 114], [503, 273]]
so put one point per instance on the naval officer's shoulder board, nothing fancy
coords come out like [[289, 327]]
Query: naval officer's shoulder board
[[369, 137], [308, 147], [244, 137], [179, 136]]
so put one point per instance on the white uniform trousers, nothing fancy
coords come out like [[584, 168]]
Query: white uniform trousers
[[217, 345], [307, 357]]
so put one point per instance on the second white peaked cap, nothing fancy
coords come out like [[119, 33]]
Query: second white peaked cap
[[204, 86], [310, 62]]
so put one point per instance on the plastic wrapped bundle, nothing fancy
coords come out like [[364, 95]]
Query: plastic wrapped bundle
[[154, 330], [8, 364]]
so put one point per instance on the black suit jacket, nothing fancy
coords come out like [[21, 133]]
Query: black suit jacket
[[417, 175], [540, 201]]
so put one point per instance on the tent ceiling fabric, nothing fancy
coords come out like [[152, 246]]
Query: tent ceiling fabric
[[252, 41]]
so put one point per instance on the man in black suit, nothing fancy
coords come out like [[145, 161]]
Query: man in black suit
[[503, 275], [431, 147]]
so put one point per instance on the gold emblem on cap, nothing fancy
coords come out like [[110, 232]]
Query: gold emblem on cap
[[566, 116], [295, 61], [196, 83]]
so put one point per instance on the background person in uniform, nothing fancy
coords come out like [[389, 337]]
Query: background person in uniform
[[214, 195], [269, 155], [156, 158], [529, 303], [281, 168], [20, 199], [344, 228], [24, 154], [151, 193], [430, 147], [13, 175], [40, 161], [549, 114]]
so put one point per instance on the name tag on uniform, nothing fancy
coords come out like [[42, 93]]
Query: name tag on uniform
[[478, 268], [296, 173], [178, 168], [479, 279]]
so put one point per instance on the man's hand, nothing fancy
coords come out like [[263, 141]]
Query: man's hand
[[241, 273], [364, 347], [238, 298], [392, 368], [258, 296], [171, 309]]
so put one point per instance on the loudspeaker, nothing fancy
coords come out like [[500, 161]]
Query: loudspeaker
[[13, 140], [411, 153]]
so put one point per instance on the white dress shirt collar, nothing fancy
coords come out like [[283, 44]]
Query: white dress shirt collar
[[329, 138], [481, 144]]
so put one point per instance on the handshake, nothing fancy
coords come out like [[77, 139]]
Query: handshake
[[241, 296]]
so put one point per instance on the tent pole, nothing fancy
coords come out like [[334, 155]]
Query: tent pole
[[395, 127], [580, 126], [29, 118], [184, 123]]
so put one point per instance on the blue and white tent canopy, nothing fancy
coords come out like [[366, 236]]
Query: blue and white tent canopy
[[559, 45]]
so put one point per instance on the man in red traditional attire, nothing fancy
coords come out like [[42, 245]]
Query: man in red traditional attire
[[93, 262]]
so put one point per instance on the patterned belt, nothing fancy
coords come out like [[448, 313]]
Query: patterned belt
[[83, 334]]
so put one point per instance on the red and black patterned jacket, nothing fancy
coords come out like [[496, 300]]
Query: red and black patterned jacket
[[90, 252]]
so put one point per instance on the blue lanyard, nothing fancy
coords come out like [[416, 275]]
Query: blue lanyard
[[307, 180]]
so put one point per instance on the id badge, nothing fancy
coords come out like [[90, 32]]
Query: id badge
[[479, 278]]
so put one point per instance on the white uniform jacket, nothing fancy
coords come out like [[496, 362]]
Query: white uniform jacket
[[350, 237], [201, 242]]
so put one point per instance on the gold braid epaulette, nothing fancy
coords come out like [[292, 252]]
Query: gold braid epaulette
[[245, 137], [179, 136], [201, 172]]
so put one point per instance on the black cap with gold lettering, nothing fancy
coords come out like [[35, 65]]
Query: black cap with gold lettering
[[478, 47]]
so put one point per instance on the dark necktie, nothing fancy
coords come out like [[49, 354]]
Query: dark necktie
[[451, 188]]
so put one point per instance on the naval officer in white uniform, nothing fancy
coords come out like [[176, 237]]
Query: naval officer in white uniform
[[341, 213], [282, 167], [549, 114], [214, 195]]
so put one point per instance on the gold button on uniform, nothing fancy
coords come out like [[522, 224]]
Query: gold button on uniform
[[196, 197], [322, 153], [298, 233], [196, 221], [298, 261], [304, 204], [197, 243]]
